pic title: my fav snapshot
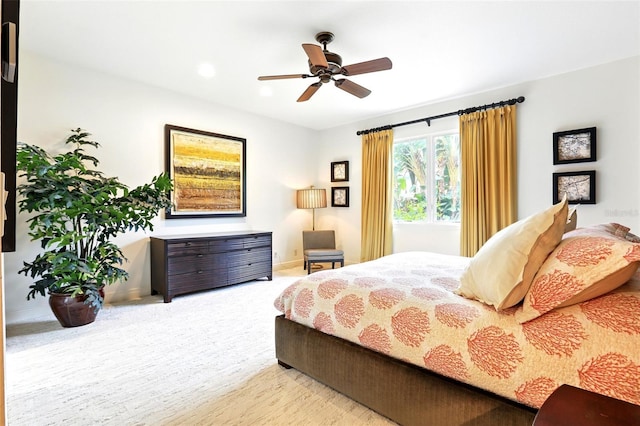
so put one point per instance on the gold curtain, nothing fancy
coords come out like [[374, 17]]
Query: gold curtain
[[377, 195], [488, 199]]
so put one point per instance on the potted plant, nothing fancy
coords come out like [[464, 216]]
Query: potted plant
[[78, 211]]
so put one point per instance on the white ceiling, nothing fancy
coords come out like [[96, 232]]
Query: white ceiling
[[440, 50]]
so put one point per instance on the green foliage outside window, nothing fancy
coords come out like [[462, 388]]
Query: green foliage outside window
[[427, 179]]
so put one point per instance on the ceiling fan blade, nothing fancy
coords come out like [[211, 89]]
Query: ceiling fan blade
[[309, 92], [316, 55], [368, 66], [353, 88], [281, 77]]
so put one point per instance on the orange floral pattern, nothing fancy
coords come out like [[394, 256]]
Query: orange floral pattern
[[587, 263], [494, 351], [536, 391], [329, 289], [598, 374], [585, 251], [448, 362], [386, 298], [555, 333], [375, 337], [410, 326], [455, 314], [617, 312], [547, 289], [324, 323], [349, 310], [402, 305]]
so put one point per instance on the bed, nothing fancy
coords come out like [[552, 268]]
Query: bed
[[396, 335]]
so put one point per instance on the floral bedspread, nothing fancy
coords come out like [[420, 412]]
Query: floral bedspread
[[403, 305]]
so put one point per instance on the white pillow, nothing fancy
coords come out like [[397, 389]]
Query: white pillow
[[501, 272]]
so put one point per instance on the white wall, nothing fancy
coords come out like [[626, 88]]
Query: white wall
[[128, 118], [606, 96]]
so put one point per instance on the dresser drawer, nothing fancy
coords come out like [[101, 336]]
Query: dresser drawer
[[187, 247], [248, 256], [201, 262], [257, 241], [200, 280], [224, 245], [250, 272]]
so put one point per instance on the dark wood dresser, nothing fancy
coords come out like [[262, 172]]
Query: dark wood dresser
[[186, 263]]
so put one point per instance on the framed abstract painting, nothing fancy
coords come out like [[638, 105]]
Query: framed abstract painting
[[208, 173]]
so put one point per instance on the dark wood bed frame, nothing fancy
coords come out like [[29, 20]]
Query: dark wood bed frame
[[402, 392]]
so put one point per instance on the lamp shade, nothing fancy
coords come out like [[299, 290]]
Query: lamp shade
[[311, 198]]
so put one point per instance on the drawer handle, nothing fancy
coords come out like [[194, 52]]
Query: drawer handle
[[199, 271], [199, 255], [187, 244]]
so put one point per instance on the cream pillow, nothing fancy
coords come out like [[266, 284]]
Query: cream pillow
[[502, 271]]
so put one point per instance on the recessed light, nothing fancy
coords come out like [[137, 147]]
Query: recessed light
[[266, 91], [206, 70]]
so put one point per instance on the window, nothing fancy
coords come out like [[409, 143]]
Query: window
[[426, 184]]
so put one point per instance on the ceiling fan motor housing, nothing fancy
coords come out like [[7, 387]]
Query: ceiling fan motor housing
[[333, 59], [335, 64]]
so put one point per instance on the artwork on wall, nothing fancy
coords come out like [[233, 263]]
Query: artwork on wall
[[580, 187], [340, 171], [208, 173], [574, 146], [340, 196]]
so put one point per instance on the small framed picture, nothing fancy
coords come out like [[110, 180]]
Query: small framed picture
[[580, 187], [340, 196], [574, 146], [340, 171]]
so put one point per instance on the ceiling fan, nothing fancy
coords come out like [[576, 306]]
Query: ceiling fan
[[328, 65]]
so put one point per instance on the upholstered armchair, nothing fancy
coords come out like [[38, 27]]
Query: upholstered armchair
[[320, 247]]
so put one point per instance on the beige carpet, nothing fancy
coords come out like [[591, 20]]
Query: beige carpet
[[204, 359]]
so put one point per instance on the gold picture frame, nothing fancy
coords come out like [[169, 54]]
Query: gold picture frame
[[208, 173]]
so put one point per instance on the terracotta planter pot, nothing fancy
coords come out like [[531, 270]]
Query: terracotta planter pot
[[71, 311]]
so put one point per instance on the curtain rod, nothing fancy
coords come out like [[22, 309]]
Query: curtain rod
[[513, 101]]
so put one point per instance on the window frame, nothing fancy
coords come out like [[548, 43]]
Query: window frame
[[430, 179]]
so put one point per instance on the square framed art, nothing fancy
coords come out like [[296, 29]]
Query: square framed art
[[340, 196], [208, 173]]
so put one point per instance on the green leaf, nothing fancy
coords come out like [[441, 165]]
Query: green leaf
[[78, 211]]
